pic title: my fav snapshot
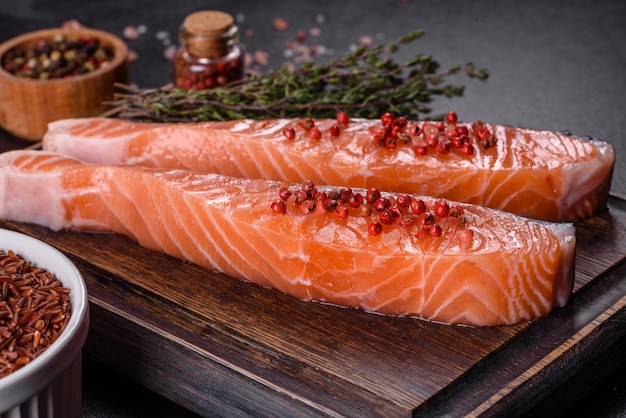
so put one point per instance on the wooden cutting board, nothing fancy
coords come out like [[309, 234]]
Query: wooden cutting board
[[218, 346]]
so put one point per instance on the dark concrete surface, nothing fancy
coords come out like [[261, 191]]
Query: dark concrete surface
[[558, 65]]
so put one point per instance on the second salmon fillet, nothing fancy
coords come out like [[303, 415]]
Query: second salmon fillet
[[538, 174]]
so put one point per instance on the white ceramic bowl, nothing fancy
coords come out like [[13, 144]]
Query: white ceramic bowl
[[50, 385]]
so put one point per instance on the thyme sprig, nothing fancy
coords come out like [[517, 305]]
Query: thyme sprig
[[365, 82]]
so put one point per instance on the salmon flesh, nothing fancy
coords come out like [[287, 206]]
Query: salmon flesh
[[436, 259], [538, 174]]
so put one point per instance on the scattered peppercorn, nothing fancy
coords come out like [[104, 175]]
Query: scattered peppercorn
[[403, 200], [442, 136], [372, 195], [381, 204], [417, 206], [467, 148], [442, 209], [420, 150], [342, 212], [392, 132], [315, 133], [375, 228], [289, 133], [284, 194], [434, 230], [342, 118], [402, 210], [58, 57], [279, 207], [386, 217], [355, 200], [308, 186]]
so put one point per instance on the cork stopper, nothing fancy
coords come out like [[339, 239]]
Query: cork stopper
[[208, 23], [207, 32]]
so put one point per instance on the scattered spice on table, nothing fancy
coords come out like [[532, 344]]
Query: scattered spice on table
[[280, 24]]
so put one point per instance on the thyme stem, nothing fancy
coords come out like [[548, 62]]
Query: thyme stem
[[364, 83]]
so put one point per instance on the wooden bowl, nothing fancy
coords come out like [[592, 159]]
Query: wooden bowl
[[28, 105]]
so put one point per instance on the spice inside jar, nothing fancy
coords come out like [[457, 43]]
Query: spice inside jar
[[209, 54]]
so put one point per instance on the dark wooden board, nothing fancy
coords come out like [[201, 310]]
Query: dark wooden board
[[218, 346]]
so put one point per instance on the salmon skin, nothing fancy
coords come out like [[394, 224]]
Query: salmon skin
[[538, 174], [481, 267]]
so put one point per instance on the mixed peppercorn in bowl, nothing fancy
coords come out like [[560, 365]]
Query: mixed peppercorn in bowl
[[63, 55], [58, 73]]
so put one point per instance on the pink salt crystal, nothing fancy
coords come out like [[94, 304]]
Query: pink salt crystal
[[292, 45], [72, 24], [365, 40], [262, 57], [248, 59], [315, 32], [169, 52], [131, 33], [280, 24], [132, 55]]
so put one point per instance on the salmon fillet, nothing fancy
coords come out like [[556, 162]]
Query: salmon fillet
[[538, 174], [480, 266]]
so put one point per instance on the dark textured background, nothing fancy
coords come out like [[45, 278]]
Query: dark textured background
[[558, 65]]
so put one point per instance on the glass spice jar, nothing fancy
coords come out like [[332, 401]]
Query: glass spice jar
[[209, 54]]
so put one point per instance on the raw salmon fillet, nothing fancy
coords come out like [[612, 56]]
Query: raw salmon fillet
[[486, 267], [538, 174]]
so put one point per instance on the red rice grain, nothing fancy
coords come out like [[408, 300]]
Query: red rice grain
[[34, 309]]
